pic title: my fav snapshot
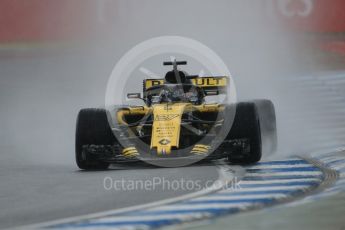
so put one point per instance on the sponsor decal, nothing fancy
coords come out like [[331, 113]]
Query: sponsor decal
[[165, 117], [210, 81]]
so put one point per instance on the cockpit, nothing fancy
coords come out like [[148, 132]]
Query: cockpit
[[175, 93]]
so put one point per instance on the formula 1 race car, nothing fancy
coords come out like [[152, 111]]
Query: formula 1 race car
[[176, 123]]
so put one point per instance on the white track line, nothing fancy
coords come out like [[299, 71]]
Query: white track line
[[239, 197], [281, 166], [244, 182], [196, 207], [268, 188], [290, 173], [181, 217]]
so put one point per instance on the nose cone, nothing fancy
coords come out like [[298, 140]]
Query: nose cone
[[166, 126]]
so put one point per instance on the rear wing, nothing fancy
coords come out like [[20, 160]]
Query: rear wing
[[210, 85]]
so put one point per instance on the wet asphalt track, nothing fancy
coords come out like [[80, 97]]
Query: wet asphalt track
[[35, 193], [39, 181], [39, 130]]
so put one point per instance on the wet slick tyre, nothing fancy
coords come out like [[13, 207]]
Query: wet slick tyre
[[92, 129], [268, 125], [246, 126]]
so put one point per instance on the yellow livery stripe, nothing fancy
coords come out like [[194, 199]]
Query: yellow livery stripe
[[130, 152], [198, 153], [129, 149], [202, 146]]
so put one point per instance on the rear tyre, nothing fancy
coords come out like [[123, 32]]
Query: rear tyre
[[246, 126], [92, 129]]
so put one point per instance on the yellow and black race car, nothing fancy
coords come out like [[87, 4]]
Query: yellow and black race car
[[176, 124]]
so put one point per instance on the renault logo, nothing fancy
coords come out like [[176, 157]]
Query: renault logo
[[164, 142]]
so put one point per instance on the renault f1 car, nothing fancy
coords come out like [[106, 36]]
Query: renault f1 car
[[176, 122]]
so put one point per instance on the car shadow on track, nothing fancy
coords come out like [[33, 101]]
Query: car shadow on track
[[143, 165]]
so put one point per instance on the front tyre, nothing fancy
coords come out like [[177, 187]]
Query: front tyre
[[246, 126], [268, 125], [92, 129]]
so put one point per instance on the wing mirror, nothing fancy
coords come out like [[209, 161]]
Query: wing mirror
[[211, 92], [134, 96]]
